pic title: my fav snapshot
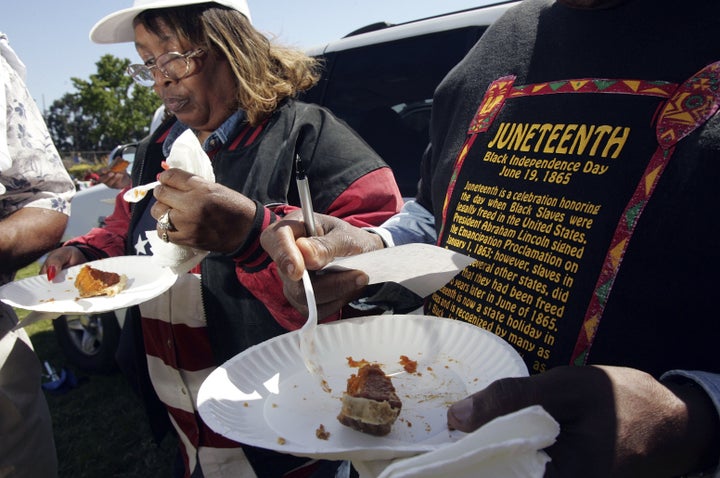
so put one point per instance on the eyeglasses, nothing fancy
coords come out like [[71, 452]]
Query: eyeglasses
[[172, 65]]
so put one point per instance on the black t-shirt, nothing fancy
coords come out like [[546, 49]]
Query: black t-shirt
[[576, 160]]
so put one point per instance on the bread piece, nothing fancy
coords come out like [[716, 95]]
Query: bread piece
[[370, 404], [92, 282]]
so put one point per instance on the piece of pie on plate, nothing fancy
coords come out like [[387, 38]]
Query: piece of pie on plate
[[370, 404], [91, 282]]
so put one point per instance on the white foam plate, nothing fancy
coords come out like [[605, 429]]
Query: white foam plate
[[265, 396], [145, 280]]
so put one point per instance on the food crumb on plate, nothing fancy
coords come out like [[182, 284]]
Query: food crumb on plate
[[410, 366], [356, 363], [321, 433]]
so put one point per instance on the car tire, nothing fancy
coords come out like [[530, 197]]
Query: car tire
[[89, 341]]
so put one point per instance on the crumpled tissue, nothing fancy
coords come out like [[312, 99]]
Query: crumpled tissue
[[186, 154], [511, 446]]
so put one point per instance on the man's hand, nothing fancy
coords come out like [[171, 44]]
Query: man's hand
[[613, 421], [287, 244]]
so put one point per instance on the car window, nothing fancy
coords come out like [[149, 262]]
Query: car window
[[384, 92]]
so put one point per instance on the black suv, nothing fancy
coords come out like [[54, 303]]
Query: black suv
[[381, 78]]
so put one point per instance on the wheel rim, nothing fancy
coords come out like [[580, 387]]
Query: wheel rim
[[86, 333]]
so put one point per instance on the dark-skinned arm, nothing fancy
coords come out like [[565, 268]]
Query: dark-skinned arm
[[27, 234]]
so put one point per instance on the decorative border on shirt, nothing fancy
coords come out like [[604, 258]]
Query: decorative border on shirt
[[687, 107]]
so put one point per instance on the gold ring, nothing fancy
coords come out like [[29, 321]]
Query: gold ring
[[165, 237]]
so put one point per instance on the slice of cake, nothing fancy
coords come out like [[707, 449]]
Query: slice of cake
[[91, 282], [370, 404]]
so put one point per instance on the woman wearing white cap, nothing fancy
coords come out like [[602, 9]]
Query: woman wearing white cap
[[221, 78]]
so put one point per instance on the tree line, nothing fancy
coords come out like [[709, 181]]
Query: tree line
[[106, 110]]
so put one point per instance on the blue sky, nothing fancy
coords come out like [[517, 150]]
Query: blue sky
[[51, 36]]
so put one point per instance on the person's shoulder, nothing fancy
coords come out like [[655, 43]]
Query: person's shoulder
[[523, 12], [305, 112]]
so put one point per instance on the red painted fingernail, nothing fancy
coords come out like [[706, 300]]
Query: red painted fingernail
[[51, 272], [164, 165]]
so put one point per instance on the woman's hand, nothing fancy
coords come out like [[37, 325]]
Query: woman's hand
[[204, 215], [61, 258]]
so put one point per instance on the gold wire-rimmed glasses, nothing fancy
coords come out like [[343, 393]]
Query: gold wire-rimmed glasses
[[173, 65]]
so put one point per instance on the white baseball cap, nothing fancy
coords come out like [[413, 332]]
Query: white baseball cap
[[118, 27]]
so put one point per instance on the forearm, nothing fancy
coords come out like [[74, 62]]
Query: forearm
[[28, 234], [258, 274], [369, 201]]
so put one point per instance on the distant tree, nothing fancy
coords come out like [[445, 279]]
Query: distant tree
[[108, 109], [69, 129]]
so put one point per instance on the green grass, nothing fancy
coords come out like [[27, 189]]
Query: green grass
[[100, 426]]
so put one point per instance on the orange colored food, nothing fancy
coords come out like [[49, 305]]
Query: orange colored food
[[356, 363], [410, 366], [119, 165], [91, 282]]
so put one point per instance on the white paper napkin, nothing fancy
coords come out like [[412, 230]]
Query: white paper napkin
[[507, 447], [179, 259], [422, 268], [186, 154]]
